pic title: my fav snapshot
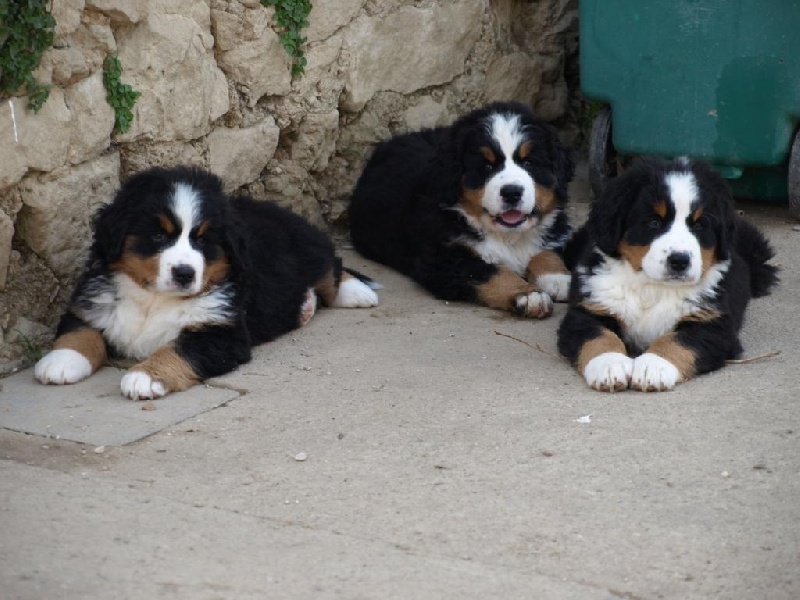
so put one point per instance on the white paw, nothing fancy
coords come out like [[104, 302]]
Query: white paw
[[555, 284], [354, 293], [651, 373], [308, 308], [62, 366], [535, 304], [609, 372], [138, 385]]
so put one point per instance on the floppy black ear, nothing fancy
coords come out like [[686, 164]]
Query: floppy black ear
[[234, 244], [718, 194], [563, 165], [606, 223], [110, 228]]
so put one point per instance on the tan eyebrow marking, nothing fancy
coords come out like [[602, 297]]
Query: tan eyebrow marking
[[203, 227], [166, 224], [660, 208], [697, 214], [525, 149], [488, 154]]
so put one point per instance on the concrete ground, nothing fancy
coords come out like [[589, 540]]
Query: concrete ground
[[449, 453]]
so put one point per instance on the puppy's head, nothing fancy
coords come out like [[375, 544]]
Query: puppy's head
[[512, 167], [671, 220], [164, 230]]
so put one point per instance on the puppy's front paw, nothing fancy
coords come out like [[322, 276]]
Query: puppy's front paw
[[62, 366], [535, 304], [555, 284], [651, 373], [138, 385], [354, 293], [609, 372], [308, 308]]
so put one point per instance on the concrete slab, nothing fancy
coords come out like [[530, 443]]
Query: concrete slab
[[94, 412], [442, 461]]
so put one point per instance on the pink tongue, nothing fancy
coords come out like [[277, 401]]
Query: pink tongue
[[512, 217]]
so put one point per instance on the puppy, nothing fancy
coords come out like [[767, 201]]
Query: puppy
[[668, 268], [472, 212], [185, 280]]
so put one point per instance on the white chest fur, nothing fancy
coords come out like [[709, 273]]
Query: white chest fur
[[137, 322], [514, 250], [647, 309]]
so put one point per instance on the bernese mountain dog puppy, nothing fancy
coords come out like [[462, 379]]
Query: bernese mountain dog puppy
[[472, 212], [184, 280], [659, 293]]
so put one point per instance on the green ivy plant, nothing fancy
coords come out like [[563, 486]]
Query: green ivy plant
[[26, 31], [291, 17], [119, 95]]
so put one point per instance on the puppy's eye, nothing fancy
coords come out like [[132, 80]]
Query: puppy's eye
[[199, 240], [700, 224], [488, 167], [654, 224], [159, 238], [526, 163]]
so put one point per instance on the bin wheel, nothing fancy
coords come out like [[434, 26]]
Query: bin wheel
[[794, 176], [603, 159]]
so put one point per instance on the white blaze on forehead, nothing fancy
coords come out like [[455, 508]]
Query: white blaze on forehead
[[508, 133], [186, 207], [678, 238], [683, 192]]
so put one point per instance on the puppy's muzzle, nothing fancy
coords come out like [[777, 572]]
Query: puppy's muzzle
[[183, 275]]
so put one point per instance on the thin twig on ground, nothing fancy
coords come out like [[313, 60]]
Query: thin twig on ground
[[752, 359], [536, 347]]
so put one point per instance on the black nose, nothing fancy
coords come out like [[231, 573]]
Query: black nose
[[511, 194], [183, 274], [678, 262]]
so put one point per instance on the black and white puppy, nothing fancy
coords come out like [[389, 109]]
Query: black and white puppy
[[473, 212], [660, 292], [185, 280]]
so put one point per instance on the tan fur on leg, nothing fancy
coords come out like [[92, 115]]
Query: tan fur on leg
[[503, 289], [545, 263], [167, 366], [86, 341], [668, 348]]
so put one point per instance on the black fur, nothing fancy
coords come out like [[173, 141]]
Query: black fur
[[401, 213], [623, 213], [274, 257]]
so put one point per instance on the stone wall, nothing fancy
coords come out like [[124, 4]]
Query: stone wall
[[217, 91]]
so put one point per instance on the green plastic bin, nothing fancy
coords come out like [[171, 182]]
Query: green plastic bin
[[711, 79]]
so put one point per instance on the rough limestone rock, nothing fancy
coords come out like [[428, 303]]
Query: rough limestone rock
[[6, 233], [169, 59], [217, 91], [92, 119], [31, 290], [67, 14], [250, 53], [409, 49], [328, 17], [316, 140], [426, 113], [513, 77], [13, 163], [239, 155], [143, 154], [124, 13], [55, 220], [44, 136]]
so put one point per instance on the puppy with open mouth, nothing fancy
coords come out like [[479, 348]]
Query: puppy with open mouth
[[473, 212]]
